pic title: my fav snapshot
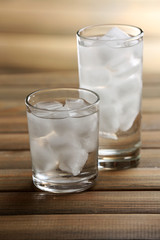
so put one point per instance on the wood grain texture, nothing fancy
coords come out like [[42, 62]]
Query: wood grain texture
[[42, 79], [150, 158], [79, 226], [151, 105], [49, 53], [15, 141], [131, 179], [19, 93], [150, 139], [123, 204], [150, 122], [20, 141], [13, 125], [16, 180], [15, 160], [89, 202], [12, 107], [38, 52], [18, 124]]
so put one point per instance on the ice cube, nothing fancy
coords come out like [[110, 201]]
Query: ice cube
[[90, 141], [88, 132], [72, 160], [44, 109], [60, 113], [73, 104], [116, 37], [44, 157], [46, 150], [91, 56], [130, 111], [79, 106], [109, 119], [71, 156], [115, 34], [126, 67], [131, 101], [59, 148], [38, 126], [88, 77], [49, 105], [85, 129], [114, 53], [59, 140], [127, 85], [110, 108]]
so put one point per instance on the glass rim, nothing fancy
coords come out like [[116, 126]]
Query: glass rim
[[28, 104], [111, 25]]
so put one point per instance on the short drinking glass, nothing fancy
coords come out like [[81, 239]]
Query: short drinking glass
[[110, 63], [63, 131]]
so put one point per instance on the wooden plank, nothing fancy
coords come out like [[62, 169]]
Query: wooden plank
[[12, 108], [151, 105], [60, 78], [15, 93], [131, 179], [151, 91], [49, 53], [15, 160], [150, 122], [19, 93], [15, 141], [150, 158], [42, 79], [79, 226], [38, 52], [151, 78], [16, 180], [20, 141], [13, 125], [17, 108], [89, 202], [150, 139]]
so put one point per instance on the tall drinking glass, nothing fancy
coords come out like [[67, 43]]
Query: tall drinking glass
[[110, 63], [63, 131]]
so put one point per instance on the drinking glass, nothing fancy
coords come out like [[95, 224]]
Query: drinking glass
[[110, 64], [63, 132]]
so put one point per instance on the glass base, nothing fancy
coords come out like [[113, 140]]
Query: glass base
[[111, 159], [65, 187]]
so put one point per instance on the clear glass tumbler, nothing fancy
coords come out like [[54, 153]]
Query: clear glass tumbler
[[63, 132], [110, 63]]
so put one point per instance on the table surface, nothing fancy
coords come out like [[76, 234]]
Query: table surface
[[122, 205]]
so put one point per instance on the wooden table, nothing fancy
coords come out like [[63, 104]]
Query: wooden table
[[123, 204]]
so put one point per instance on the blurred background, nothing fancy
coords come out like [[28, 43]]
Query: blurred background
[[40, 35]]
